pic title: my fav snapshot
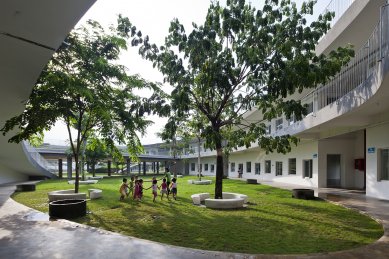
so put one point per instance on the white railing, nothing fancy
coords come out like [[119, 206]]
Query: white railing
[[356, 72], [37, 160], [339, 7]]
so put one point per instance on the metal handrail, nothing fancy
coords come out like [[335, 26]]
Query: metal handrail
[[357, 71]]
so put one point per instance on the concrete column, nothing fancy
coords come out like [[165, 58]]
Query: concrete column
[[60, 168], [144, 167], [109, 167], [70, 167], [139, 168], [128, 166], [157, 167]]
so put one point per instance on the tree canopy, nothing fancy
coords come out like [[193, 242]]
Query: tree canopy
[[85, 86], [240, 59]]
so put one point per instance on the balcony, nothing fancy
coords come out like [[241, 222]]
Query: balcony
[[353, 89]]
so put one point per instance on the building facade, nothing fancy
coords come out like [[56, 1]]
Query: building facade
[[344, 140]]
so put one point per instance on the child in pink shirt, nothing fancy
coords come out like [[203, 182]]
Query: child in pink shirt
[[164, 189]]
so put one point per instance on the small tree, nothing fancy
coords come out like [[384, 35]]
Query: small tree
[[84, 86], [95, 152], [239, 59]]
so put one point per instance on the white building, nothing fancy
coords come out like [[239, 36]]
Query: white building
[[348, 124], [347, 128]]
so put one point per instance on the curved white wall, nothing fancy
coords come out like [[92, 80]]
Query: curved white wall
[[46, 22]]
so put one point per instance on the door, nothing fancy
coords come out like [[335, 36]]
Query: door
[[308, 168], [333, 171]]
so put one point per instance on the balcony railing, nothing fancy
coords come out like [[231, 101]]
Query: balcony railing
[[339, 7], [37, 160], [357, 71]]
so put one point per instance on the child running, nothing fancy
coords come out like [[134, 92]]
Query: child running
[[164, 189], [154, 187], [122, 189], [140, 193], [131, 187], [136, 190], [173, 188]]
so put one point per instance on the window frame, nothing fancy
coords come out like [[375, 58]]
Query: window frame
[[279, 168], [295, 166], [310, 173], [232, 167], [248, 167], [383, 176], [257, 166], [279, 123], [267, 166], [268, 129]]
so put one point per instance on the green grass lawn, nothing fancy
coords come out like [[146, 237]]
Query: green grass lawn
[[273, 223]]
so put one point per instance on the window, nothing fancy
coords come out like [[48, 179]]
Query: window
[[309, 107], [232, 167], [292, 120], [279, 123], [193, 167], [257, 168], [268, 129], [240, 167], [212, 168], [307, 168], [278, 168], [292, 165], [267, 166], [205, 167], [384, 165], [248, 167]]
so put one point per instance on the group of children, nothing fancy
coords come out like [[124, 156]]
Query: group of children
[[135, 188]]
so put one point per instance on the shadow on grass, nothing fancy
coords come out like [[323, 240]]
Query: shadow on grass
[[273, 223]]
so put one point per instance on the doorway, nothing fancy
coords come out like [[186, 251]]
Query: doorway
[[333, 171], [307, 168]]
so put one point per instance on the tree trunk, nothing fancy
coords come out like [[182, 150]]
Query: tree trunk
[[82, 168], [93, 169], [199, 159], [109, 168], [77, 181], [219, 169]]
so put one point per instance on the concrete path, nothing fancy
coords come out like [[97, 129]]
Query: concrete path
[[26, 233]]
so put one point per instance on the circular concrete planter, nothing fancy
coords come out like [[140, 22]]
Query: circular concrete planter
[[66, 195], [202, 182], [307, 194], [67, 209]]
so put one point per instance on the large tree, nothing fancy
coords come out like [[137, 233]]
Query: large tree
[[239, 59], [85, 86]]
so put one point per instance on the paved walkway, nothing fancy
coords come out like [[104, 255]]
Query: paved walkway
[[26, 233]]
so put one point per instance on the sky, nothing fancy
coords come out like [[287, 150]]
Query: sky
[[153, 18]]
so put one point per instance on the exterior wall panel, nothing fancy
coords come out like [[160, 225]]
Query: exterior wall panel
[[376, 138]]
